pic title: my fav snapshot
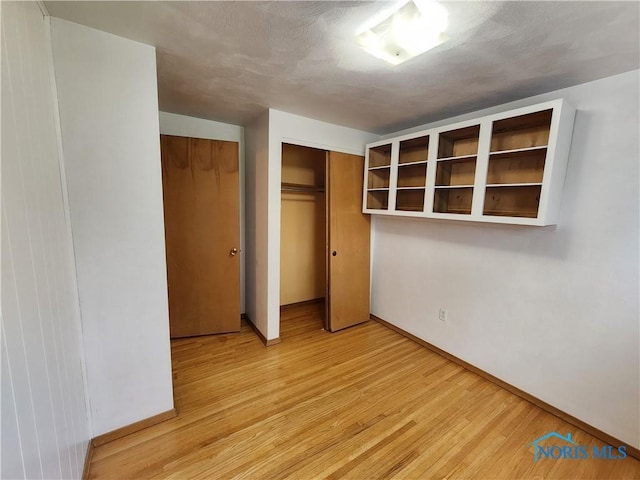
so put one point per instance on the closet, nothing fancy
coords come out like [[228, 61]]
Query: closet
[[324, 237], [201, 194]]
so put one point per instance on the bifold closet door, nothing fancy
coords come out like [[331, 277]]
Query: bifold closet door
[[202, 228], [348, 243]]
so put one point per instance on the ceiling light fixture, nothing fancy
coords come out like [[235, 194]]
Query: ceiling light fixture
[[410, 29]]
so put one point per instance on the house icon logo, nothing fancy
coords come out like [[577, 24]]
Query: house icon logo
[[555, 446], [539, 450]]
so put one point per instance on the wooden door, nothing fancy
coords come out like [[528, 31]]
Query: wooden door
[[202, 229], [348, 243]]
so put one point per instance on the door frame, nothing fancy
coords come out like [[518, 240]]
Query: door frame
[[277, 177]]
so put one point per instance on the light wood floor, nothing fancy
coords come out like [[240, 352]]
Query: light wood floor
[[364, 403]]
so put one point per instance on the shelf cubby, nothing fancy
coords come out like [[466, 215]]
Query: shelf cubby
[[378, 178], [410, 200], [523, 166], [380, 156], [523, 131], [453, 200], [456, 172], [378, 199], [459, 143], [512, 200], [412, 175], [414, 150]]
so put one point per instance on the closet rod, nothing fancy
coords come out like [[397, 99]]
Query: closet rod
[[299, 188]]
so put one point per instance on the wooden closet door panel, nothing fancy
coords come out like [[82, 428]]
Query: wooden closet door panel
[[349, 234], [202, 226]]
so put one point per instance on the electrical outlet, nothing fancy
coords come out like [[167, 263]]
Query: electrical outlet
[[442, 315]]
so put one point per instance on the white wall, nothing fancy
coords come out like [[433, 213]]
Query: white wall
[[183, 126], [45, 420], [256, 182], [109, 116], [288, 128], [553, 311]]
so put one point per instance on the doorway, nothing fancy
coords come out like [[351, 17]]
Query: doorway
[[303, 236], [324, 239], [200, 183]]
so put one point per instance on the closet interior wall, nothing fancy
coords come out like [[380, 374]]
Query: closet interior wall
[[303, 270]]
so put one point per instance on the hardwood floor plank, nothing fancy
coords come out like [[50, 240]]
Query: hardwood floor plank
[[363, 403]]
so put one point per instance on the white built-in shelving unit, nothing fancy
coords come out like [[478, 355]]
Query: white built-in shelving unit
[[505, 168]]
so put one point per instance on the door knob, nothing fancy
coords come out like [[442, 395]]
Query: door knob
[[233, 252], [334, 253]]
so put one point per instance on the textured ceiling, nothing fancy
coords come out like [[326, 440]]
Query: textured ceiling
[[228, 61]]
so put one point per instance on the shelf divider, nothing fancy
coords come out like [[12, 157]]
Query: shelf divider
[[460, 157], [518, 150], [482, 167], [453, 186], [408, 164], [498, 185], [301, 188]]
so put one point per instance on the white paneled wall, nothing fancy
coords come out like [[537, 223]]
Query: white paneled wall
[[45, 428]]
